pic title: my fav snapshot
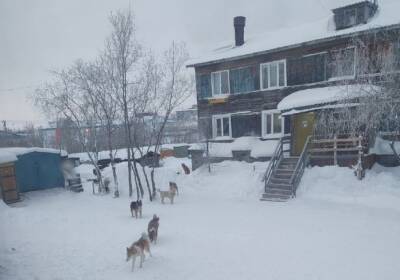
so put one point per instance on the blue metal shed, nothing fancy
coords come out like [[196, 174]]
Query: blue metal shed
[[37, 169]]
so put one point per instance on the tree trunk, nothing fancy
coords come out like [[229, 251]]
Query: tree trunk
[[112, 159], [394, 151], [136, 172], [147, 183], [153, 184], [129, 172]]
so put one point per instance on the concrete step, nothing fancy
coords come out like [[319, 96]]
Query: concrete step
[[275, 197], [283, 171], [279, 186], [287, 166], [290, 159], [277, 191], [277, 180]]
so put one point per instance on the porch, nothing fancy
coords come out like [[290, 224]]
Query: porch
[[313, 142]]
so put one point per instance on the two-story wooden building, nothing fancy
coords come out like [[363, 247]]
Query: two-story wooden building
[[273, 85]]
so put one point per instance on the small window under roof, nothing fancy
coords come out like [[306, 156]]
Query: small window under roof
[[354, 14]]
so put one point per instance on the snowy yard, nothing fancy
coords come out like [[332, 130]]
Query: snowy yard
[[337, 228]]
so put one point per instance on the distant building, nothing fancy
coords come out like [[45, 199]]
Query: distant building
[[182, 127]]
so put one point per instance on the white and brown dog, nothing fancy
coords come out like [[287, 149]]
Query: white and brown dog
[[137, 249], [167, 194]]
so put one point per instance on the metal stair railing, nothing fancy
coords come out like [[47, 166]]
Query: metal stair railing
[[300, 166], [275, 160]]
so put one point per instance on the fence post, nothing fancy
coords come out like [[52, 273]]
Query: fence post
[[359, 169], [335, 150]]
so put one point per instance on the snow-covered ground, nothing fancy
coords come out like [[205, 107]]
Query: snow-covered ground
[[337, 228]]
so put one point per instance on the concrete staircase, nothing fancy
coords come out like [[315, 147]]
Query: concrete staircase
[[278, 186]]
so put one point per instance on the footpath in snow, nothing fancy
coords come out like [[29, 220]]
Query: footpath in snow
[[337, 228]]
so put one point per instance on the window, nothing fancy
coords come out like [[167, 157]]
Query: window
[[273, 74], [350, 17], [313, 68], [220, 82], [246, 125], [203, 83], [342, 63], [222, 126], [243, 79], [272, 124]]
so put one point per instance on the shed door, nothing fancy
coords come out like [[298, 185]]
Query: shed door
[[303, 126], [8, 184]]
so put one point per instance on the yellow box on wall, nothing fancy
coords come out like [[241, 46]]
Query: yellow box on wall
[[217, 100]]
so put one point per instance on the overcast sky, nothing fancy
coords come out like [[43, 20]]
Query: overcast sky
[[39, 35]]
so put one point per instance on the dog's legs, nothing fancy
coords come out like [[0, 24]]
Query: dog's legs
[[172, 199], [140, 212], [162, 199], [132, 213], [133, 262], [136, 213], [141, 259]]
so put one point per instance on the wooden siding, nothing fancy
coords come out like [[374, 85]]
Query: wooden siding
[[8, 183], [306, 67]]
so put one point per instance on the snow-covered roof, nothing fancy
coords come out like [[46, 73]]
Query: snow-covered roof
[[11, 154], [274, 40], [323, 95]]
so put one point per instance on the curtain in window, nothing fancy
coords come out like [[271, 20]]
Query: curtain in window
[[203, 86], [246, 125], [243, 80], [342, 63]]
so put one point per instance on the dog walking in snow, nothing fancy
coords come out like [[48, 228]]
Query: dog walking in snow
[[137, 249], [136, 206], [173, 187], [170, 194], [152, 228]]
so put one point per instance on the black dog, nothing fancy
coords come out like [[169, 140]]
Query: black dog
[[152, 228], [137, 207]]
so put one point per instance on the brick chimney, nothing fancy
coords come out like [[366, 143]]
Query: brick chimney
[[239, 23]]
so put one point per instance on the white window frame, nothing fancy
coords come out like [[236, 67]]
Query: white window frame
[[263, 124], [347, 77], [220, 83], [214, 126], [268, 64]]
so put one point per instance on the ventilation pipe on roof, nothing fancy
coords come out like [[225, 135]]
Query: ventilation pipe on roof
[[239, 23]]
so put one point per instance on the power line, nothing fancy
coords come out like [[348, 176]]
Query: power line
[[16, 89]]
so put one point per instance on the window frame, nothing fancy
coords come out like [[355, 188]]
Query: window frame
[[214, 125], [345, 77], [264, 134], [268, 64], [220, 83], [239, 68]]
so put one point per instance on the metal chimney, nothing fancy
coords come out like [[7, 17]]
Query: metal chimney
[[239, 23]]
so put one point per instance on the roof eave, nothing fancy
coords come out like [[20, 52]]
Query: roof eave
[[317, 41]]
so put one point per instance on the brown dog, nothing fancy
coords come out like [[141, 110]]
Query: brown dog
[[152, 228], [137, 249]]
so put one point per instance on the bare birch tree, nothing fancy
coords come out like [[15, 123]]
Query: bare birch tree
[[373, 105], [122, 54], [64, 96]]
